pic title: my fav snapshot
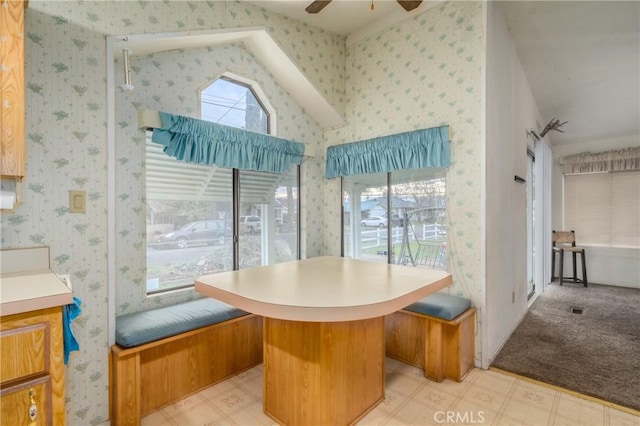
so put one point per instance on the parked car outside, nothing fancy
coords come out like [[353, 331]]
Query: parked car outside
[[250, 225], [207, 232], [377, 221]]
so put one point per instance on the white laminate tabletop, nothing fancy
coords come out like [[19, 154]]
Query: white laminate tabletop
[[323, 289]]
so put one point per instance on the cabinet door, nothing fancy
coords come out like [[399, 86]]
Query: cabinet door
[[26, 404], [32, 351], [12, 103], [24, 351]]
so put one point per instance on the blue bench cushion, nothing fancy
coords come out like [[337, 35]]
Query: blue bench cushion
[[440, 305], [147, 326]]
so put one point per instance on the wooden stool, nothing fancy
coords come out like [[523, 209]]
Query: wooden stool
[[565, 241]]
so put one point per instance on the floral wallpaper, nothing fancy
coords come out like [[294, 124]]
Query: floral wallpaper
[[66, 149], [421, 73], [171, 81]]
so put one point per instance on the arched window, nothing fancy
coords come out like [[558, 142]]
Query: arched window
[[234, 103]]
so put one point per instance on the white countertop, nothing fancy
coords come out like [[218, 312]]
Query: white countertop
[[323, 289], [23, 289]]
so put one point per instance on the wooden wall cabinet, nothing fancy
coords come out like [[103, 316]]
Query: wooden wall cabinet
[[32, 370], [12, 88]]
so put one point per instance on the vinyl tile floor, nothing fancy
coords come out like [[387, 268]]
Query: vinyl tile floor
[[483, 398]]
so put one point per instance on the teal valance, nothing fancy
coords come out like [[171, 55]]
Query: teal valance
[[203, 142], [410, 150]]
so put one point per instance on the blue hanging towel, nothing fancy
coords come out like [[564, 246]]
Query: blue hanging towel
[[69, 313]]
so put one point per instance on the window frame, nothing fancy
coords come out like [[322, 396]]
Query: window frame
[[235, 184], [256, 90]]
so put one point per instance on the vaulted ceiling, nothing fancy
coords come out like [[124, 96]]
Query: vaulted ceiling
[[582, 58]]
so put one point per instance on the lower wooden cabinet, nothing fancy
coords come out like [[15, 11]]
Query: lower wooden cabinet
[[27, 403], [32, 369]]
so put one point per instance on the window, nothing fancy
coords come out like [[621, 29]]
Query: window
[[413, 233], [190, 208], [603, 208], [268, 225], [232, 103]]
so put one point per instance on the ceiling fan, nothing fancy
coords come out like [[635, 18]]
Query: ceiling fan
[[318, 5]]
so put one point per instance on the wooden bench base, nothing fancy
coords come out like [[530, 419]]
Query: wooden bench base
[[146, 378], [442, 348]]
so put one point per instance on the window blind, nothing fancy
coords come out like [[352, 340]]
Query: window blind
[[603, 208]]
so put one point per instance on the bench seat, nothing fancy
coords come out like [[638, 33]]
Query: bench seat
[[440, 305], [436, 334], [147, 326], [175, 351]]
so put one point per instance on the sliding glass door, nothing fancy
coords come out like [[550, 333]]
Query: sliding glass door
[[397, 217]]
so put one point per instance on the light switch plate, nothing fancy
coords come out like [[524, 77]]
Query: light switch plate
[[77, 201]]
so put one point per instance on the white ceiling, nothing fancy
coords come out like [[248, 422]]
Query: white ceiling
[[582, 58]]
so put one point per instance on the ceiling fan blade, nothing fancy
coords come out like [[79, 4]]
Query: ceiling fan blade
[[409, 5], [317, 6]]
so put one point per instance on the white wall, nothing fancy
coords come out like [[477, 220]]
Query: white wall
[[612, 266], [511, 111]]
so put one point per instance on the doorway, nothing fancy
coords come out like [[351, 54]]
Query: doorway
[[531, 228]]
